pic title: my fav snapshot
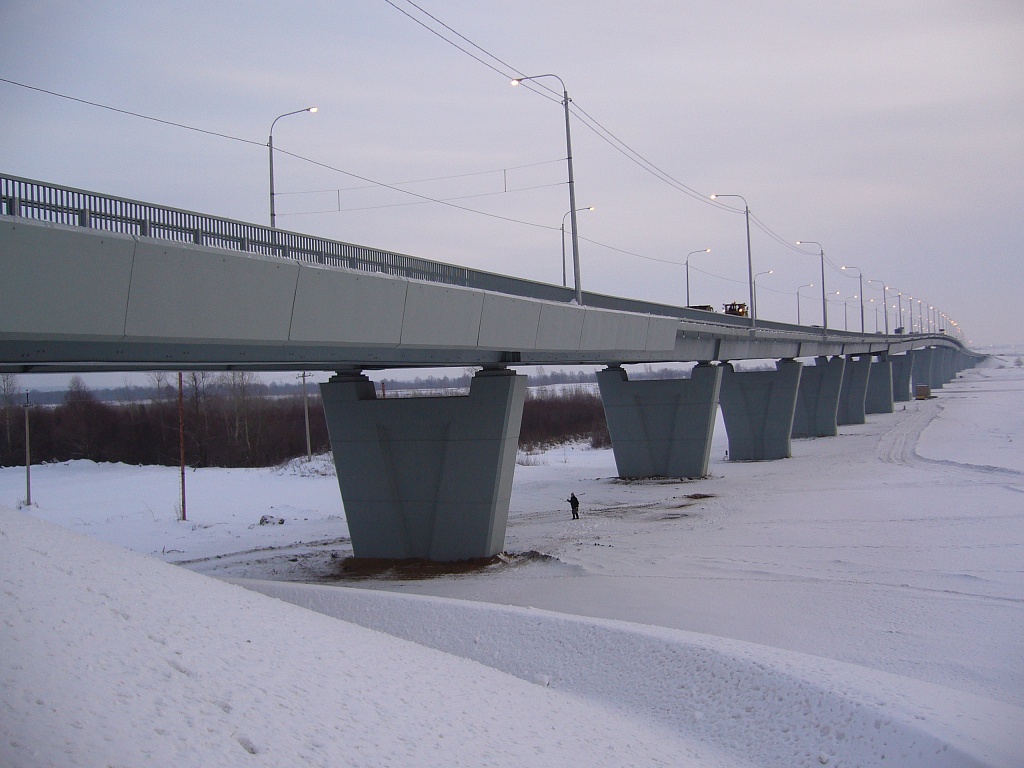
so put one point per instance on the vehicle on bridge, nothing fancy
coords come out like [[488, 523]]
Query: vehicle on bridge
[[735, 308], [701, 307]]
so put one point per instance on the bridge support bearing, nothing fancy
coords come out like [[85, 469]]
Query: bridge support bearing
[[426, 477], [758, 408], [855, 390], [817, 402], [902, 368], [661, 428], [880, 396]]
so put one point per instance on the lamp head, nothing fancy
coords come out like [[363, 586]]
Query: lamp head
[[311, 109]]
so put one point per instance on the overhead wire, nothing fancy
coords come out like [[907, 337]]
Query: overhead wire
[[423, 202], [131, 113], [542, 90], [423, 181]]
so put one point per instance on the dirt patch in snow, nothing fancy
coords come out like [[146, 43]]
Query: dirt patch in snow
[[415, 569]]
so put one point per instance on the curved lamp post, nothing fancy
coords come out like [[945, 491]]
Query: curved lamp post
[[860, 278], [766, 272], [809, 285], [270, 143], [563, 240], [750, 263], [691, 253], [572, 185], [824, 303]]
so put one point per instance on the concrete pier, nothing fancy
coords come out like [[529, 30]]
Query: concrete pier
[[426, 477], [661, 428], [817, 402], [922, 366], [902, 370], [758, 409], [879, 397], [855, 388]]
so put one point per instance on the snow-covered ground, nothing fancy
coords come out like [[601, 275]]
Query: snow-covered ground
[[859, 604]]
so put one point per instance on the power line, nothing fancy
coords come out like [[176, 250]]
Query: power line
[[425, 198], [423, 202], [133, 114], [422, 181]]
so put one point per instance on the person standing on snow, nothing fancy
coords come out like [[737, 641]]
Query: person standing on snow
[[575, 504]]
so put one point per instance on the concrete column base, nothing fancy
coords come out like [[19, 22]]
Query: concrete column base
[[922, 373], [661, 428], [879, 397], [758, 408], [902, 368], [855, 389], [817, 401], [426, 477]]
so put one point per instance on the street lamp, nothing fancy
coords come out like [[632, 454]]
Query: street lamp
[[768, 272], [846, 321], [563, 240], [824, 303], [885, 305], [750, 263], [572, 185], [872, 301], [809, 285], [270, 143], [691, 253], [860, 278]]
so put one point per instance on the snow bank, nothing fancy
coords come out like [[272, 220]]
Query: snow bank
[[772, 707], [112, 658]]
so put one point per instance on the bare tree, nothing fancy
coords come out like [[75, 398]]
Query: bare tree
[[160, 381]]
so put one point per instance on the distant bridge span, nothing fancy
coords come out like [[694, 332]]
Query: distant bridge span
[[97, 283]]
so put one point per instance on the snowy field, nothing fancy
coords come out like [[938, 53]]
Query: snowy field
[[859, 604]]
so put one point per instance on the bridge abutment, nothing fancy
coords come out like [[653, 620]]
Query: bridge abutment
[[661, 428], [758, 409], [426, 477], [879, 397], [817, 402], [855, 389]]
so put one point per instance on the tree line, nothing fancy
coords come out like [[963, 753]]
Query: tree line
[[227, 423], [230, 421]]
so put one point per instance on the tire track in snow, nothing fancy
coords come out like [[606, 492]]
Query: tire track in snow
[[899, 446]]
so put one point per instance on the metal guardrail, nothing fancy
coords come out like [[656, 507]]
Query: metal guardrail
[[75, 207]]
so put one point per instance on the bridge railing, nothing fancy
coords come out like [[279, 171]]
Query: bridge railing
[[75, 207]]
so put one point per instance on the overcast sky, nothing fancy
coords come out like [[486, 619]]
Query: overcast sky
[[893, 133]]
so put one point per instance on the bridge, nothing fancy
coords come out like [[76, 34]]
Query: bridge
[[93, 282]]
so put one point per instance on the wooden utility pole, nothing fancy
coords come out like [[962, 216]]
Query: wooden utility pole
[[181, 441]]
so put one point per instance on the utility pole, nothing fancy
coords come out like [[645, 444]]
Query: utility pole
[[28, 458], [305, 407], [181, 441]]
